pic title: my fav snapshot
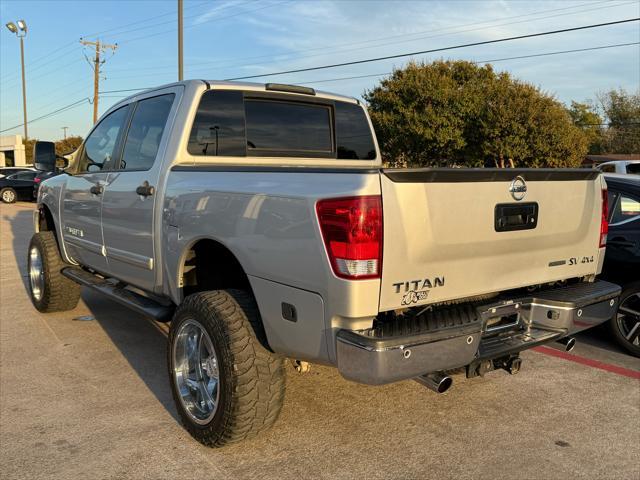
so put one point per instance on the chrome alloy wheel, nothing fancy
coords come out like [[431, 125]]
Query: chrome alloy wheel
[[36, 273], [196, 373], [8, 196], [628, 319]]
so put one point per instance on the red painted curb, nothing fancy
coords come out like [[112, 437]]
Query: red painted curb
[[625, 372]]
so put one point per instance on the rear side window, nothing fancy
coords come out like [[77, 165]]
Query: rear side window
[[626, 208], [24, 176], [218, 129], [230, 123], [145, 132], [354, 139], [633, 168]]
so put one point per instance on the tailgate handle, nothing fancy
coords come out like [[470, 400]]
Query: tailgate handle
[[516, 216]]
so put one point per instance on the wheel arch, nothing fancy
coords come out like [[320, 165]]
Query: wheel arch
[[195, 272], [208, 264]]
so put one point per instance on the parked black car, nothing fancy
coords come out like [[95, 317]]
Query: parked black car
[[622, 260], [17, 186], [41, 177], [6, 171]]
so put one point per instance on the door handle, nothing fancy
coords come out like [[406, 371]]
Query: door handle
[[97, 189], [145, 189]]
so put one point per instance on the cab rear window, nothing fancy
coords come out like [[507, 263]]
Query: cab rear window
[[233, 123]]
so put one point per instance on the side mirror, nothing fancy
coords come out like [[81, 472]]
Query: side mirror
[[44, 156]]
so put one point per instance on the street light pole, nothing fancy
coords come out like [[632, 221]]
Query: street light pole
[[24, 87], [180, 76], [21, 31]]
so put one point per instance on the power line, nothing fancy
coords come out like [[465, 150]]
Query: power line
[[383, 41], [206, 21], [60, 110], [327, 80], [442, 49], [137, 22], [545, 54]]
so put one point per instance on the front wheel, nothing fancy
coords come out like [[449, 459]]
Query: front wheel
[[226, 384], [8, 195], [50, 290], [625, 325]]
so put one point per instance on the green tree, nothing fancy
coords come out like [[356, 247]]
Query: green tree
[[456, 112], [28, 149], [622, 112], [68, 145], [585, 116]]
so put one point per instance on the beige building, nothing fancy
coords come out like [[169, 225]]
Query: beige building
[[12, 152]]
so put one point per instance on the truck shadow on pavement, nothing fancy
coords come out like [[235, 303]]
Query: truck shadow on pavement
[[19, 222], [141, 342]]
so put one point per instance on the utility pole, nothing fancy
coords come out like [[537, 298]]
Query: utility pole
[[180, 77], [65, 131], [100, 47]]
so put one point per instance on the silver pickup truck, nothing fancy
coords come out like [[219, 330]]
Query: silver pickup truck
[[259, 221]]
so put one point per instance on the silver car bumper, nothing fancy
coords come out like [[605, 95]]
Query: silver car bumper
[[498, 329]]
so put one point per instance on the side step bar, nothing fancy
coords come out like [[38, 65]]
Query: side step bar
[[136, 302]]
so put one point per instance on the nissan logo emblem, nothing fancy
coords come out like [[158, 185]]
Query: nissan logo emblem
[[518, 188]]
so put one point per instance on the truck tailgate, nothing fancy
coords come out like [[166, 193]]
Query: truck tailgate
[[456, 233]]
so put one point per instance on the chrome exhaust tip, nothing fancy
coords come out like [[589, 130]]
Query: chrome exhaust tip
[[566, 343], [435, 381]]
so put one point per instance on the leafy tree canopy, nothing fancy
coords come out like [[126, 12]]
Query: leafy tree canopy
[[622, 112], [68, 145], [458, 113], [585, 116]]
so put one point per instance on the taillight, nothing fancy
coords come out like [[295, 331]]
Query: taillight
[[352, 233], [37, 180], [604, 223]]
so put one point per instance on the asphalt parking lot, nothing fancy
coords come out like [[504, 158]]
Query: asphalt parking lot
[[89, 398]]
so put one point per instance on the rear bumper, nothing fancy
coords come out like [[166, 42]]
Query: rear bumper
[[367, 357]]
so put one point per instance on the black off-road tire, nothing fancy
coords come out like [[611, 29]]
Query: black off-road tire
[[252, 378], [59, 293], [627, 291], [10, 193]]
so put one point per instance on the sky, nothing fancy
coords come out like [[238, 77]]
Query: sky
[[233, 38]]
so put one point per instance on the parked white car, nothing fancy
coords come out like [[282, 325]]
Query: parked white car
[[620, 166]]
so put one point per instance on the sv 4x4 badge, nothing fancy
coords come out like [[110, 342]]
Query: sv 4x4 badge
[[415, 291]]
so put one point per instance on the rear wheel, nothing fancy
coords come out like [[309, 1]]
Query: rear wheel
[[50, 290], [226, 385], [625, 325], [8, 195]]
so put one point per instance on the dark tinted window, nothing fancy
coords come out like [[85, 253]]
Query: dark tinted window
[[145, 132], [633, 168], [101, 143], [353, 135], [227, 124], [288, 127], [24, 176], [218, 128]]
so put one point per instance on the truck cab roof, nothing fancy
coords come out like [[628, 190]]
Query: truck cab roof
[[251, 86]]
